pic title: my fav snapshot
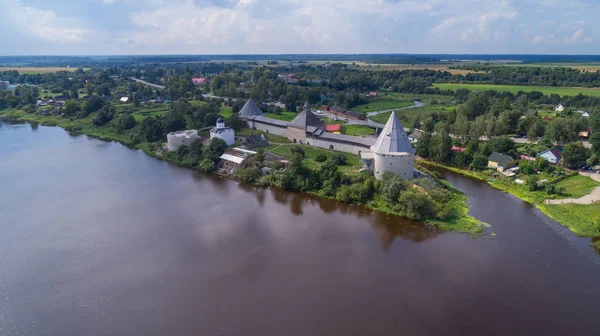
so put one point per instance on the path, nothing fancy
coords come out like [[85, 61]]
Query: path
[[415, 105], [590, 198], [147, 83]]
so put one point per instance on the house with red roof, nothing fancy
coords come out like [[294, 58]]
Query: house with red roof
[[198, 81], [334, 128], [456, 149], [373, 94]]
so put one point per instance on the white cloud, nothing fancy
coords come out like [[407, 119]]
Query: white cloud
[[44, 25], [306, 26]]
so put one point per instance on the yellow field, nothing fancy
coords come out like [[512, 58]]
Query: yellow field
[[37, 70]]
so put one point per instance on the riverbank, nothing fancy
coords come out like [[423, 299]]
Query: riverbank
[[456, 211], [581, 219]]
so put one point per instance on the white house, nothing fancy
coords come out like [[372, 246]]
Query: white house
[[124, 99], [392, 151], [559, 108], [224, 133], [181, 138], [551, 155], [583, 113]]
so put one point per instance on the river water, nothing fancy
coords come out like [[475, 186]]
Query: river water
[[99, 239]]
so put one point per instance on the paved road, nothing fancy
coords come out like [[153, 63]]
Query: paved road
[[415, 105], [586, 144], [147, 83]]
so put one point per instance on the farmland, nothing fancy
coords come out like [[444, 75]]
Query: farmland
[[379, 104], [547, 90], [38, 70]]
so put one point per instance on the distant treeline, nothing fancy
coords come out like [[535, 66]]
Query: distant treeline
[[91, 61]]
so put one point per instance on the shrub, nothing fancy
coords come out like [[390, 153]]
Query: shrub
[[297, 150], [207, 166], [339, 159], [321, 158], [249, 175]]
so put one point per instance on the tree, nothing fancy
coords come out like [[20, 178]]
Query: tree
[[215, 149], [595, 141], [540, 164], [440, 148], [207, 166], [527, 167], [574, 154], [561, 131], [417, 205], [260, 156], [126, 122], [71, 107], [298, 150], [94, 104], [479, 162], [339, 159], [249, 175], [423, 145], [392, 186], [196, 148], [532, 182], [321, 158]]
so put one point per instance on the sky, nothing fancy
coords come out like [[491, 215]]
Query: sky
[[111, 27]]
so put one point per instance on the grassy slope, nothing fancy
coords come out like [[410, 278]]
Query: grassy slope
[[312, 152], [578, 186], [410, 114], [548, 90], [379, 104], [358, 130], [285, 116]]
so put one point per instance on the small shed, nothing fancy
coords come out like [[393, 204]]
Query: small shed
[[334, 128]]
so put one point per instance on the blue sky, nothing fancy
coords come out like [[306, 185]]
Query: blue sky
[[85, 27]]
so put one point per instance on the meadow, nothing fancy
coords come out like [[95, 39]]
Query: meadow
[[547, 90]]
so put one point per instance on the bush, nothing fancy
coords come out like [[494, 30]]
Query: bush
[[297, 150], [249, 175], [321, 158], [207, 166], [339, 159]]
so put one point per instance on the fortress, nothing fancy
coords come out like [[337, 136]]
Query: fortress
[[391, 151]]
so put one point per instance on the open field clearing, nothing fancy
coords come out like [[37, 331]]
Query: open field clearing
[[548, 90], [38, 70]]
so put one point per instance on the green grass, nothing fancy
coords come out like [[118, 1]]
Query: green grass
[[358, 130], [408, 115], [331, 121], [311, 153], [144, 113], [285, 116], [226, 112], [547, 90], [578, 186], [272, 137], [584, 220], [379, 104]]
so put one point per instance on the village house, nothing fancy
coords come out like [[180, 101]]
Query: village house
[[551, 155], [456, 149], [124, 100], [334, 128], [583, 113], [500, 162], [373, 94], [342, 112], [255, 140], [233, 159], [586, 133], [559, 108], [198, 81]]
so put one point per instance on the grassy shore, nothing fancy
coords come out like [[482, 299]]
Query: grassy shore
[[583, 220], [547, 90], [458, 221]]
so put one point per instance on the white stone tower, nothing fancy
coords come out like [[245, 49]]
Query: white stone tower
[[392, 151], [225, 133]]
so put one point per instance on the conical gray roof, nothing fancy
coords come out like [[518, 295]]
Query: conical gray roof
[[250, 110], [392, 139], [307, 118]]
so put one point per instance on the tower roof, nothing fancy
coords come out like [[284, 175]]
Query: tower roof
[[220, 120], [307, 118], [392, 139], [250, 109]]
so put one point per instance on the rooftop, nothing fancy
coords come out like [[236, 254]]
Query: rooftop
[[393, 138], [250, 109]]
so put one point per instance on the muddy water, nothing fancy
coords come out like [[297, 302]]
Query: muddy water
[[98, 239]]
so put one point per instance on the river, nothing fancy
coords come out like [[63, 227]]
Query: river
[[99, 239]]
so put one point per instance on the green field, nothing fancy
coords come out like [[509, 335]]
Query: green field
[[358, 130], [312, 152], [285, 116], [272, 137], [547, 90], [379, 104], [409, 115], [578, 186], [144, 113]]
